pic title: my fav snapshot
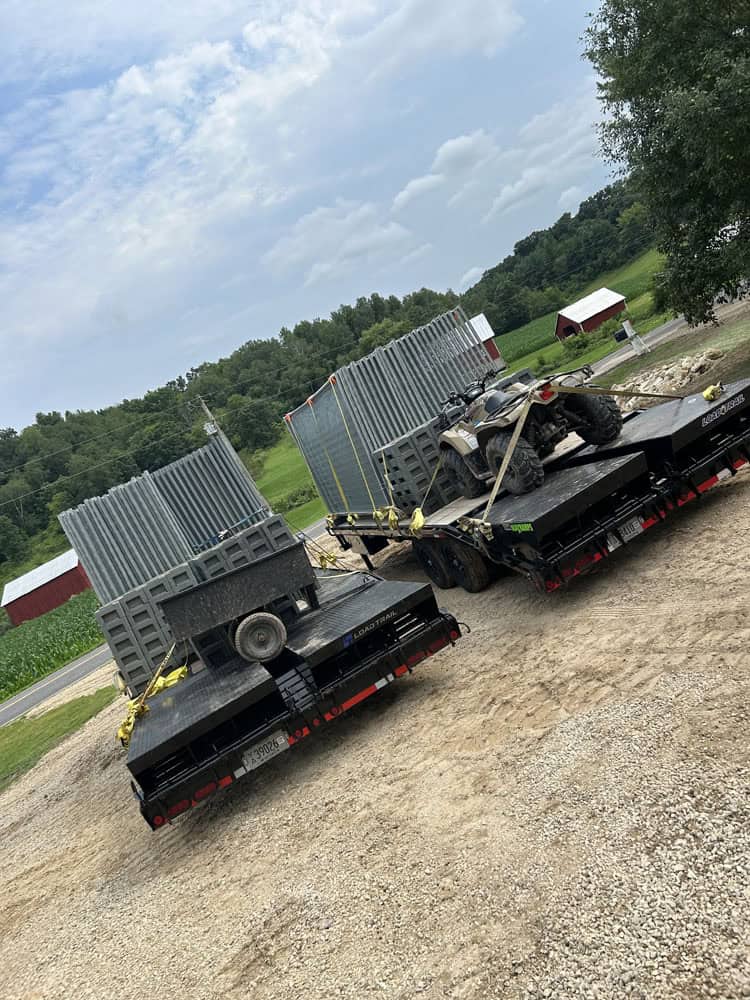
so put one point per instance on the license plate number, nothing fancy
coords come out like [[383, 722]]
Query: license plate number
[[631, 529], [271, 747]]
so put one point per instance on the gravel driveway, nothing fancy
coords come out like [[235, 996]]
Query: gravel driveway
[[556, 808]]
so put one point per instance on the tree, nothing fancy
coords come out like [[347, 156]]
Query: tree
[[13, 542], [676, 88]]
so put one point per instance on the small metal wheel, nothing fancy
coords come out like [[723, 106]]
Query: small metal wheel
[[260, 637]]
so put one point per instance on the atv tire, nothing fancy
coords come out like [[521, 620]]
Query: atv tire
[[600, 415], [461, 475], [525, 472], [469, 568], [434, 563]]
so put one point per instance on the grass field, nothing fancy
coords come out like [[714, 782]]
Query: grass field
[[284, 472], [39, 647], [521, 348], [24, 742]]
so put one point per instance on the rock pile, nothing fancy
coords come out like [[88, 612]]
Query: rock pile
[[668, 378]]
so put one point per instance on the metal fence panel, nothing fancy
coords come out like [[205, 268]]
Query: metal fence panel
[[390, 393]]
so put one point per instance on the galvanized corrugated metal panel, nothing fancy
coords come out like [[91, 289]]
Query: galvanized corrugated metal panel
[[384, 396], [141, 529]]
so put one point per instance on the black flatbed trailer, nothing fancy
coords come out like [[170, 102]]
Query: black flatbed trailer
[[593, 501], [360, 634]]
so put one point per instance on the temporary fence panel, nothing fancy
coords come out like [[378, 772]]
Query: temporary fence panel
[[392, 393]]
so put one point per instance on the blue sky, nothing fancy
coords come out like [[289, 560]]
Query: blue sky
[[180, 178]]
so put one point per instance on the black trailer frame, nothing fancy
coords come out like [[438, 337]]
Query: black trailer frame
[[593, 501], [222, 722]]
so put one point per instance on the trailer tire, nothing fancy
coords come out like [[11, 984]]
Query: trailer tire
[[461, 475], [434, 563], [260, 637], [525, 472], [469, 568], [601, 416]]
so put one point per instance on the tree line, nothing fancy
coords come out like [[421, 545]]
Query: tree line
[[62, 459]]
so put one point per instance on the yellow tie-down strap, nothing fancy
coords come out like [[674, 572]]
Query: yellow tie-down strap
[[139, 706]]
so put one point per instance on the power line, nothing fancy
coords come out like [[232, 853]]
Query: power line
[[143, 418]]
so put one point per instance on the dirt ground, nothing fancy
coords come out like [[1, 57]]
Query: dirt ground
[[558, 807]]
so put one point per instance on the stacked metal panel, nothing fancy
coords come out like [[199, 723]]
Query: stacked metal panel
[[391, 393], [409, 463], [126, 537], [145, 527], [210, 491]]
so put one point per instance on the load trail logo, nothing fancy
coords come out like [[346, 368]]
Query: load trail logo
[[723, 410], [365, 630]]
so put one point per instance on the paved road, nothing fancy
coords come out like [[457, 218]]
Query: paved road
[[20, 703], [653, 339]]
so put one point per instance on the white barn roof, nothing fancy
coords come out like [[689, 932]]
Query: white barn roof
[[37, 578], [592, 305]]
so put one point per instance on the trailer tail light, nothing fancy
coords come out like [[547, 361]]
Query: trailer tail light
[[158, 821], [178, 808], [204, 792]]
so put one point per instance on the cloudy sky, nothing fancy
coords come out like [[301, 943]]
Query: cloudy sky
[[178, 178]]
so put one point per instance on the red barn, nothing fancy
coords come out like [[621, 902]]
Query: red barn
[[44, 588], [588, 314]]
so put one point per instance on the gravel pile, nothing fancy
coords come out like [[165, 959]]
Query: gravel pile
[[556, 808], [668, 378]]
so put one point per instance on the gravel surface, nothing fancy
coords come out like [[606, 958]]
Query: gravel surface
[[558, 807]]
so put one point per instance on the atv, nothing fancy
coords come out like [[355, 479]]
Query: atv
[[474, 440]]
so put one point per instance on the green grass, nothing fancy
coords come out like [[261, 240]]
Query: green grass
[[633, 280], [24, 742], [283, 472], [39, 647]]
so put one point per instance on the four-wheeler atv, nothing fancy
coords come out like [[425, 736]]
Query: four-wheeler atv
[[473, 446]]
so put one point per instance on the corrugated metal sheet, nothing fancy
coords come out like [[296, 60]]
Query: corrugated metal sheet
[[36, 578], [141, 529], [388, 394]]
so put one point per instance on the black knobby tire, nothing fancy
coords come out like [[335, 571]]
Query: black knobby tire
[[525, 472], [434, 563], [260, 637], [600, 416], [458, 471], [469, 568]]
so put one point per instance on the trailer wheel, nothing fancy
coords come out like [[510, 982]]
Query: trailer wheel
[[434, 563], [260, 637], [600, 416], [469, 568]]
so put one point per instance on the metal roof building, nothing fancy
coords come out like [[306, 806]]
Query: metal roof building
[[589, 313], [45, 588]]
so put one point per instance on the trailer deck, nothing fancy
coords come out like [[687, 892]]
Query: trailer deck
[[594, 500], [221, 722]]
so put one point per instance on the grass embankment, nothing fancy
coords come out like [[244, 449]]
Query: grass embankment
[[39, 647], [285, 475], [24, 742], [534, 345]]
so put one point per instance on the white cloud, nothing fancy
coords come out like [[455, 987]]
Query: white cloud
[[331, 240], [417, 187], [455, 161], [571, 198], [471, 277]]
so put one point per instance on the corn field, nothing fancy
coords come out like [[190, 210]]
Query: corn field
[[36, 648]]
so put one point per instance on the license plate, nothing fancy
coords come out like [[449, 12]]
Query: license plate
[[271, 747], [631, 529]]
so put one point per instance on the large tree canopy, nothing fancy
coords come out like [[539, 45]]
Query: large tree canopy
[[675, 83]]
